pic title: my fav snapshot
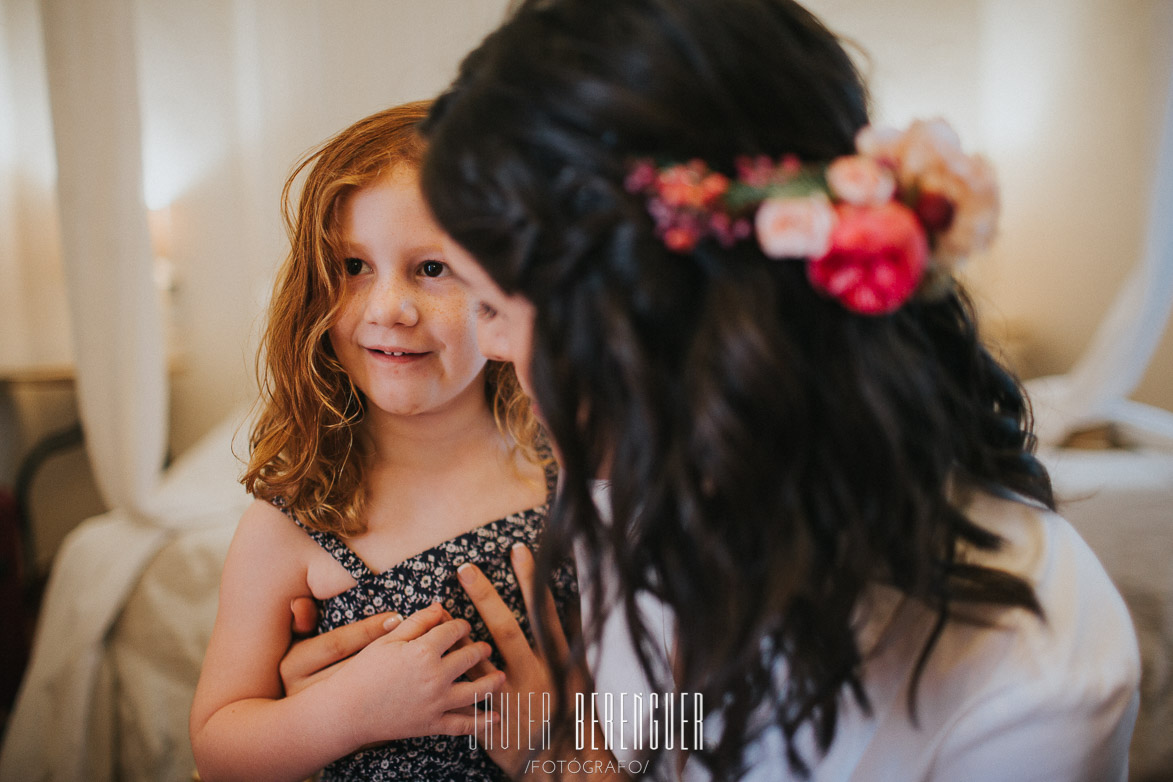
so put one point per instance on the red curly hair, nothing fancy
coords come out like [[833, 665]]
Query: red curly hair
[[302, 447]]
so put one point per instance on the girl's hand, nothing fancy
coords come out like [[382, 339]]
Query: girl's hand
[[407, 683], [526, 668]]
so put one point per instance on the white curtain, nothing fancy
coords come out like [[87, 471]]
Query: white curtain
[[121, 367], [121, 379]]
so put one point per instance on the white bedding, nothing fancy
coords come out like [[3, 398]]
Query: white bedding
[[126, 617], [130, 608]]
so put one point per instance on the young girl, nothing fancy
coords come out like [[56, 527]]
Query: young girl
[[379, 468], [734, 301]]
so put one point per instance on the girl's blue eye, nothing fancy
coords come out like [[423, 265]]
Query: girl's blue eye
[[433, 268], [353, 266]]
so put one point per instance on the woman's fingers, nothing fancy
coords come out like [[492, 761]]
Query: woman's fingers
[[503, 626], [481, 668], [538, 599], [313, 655]]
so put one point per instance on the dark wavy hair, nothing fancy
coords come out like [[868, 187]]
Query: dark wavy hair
[[771, 455]]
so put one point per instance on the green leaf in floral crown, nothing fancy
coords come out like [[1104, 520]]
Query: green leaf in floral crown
[[743, 198]]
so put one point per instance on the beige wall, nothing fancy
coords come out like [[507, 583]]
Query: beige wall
[[1065, 96]]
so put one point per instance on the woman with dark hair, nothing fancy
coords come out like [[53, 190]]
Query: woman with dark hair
[[795, 481]]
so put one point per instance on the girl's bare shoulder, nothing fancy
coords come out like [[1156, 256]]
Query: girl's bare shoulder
[[269, 545]]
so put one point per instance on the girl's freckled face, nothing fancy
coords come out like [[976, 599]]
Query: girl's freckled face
[[406, 332]]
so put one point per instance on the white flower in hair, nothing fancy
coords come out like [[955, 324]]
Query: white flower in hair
[[795, 227]]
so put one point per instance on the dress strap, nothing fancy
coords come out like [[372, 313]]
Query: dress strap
[[334, 546]]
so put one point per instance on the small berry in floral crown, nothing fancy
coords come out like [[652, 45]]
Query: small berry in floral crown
[[874, 228]]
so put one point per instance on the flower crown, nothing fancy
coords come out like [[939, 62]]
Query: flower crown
[[874, 228]]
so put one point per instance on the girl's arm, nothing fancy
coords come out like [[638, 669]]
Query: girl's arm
[[403, 684]]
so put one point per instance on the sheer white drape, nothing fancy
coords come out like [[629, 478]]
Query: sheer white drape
[[117, 326], [121, 375]]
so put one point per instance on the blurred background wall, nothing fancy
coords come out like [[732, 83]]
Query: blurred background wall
[[232, 93], [1064, 95]]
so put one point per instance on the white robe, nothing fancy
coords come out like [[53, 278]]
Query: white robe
[[1029, 699]]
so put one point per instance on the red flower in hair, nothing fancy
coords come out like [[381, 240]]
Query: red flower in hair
[[681, 238], [877, 257], [691, 186], [902, 196]]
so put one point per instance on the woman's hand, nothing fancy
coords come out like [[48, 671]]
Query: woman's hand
[[527, 670]]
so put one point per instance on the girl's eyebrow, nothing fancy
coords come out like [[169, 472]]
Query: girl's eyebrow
[[427, 249], [351, 247], [357, 247]]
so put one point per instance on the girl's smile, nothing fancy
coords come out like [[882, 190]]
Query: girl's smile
[[398, 355]]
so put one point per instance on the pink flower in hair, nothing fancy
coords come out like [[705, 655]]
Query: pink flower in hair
[[754, 171], [868, 225], [762, 171], [882, 144], [642, 176], [727, 229], [911, 152], [860, 180], [969, 187], [877, 257], [955, 194], [795, 227]]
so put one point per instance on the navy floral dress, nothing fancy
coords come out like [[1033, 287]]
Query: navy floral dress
[[414, 584]]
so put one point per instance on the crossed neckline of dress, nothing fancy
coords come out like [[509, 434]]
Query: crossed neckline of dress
[[335, 545]]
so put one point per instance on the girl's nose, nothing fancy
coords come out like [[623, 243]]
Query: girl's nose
[[392, 305]]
